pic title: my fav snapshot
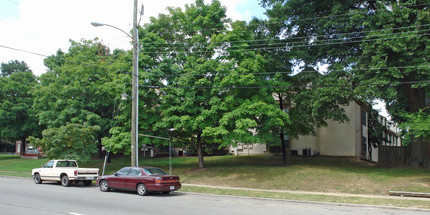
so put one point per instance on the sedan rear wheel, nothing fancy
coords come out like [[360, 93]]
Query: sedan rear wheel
[[37, 179], [141, 190], [65, 181], [104, 186]]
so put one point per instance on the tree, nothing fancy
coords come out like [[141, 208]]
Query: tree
[[250, 113], [72, 141], [378, 46], [11, 67], [179, 51], [17, 118], [78, 88]]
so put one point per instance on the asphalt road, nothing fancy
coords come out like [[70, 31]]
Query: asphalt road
[[23, 196]]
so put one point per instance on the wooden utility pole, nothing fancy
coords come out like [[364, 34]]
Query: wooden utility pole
[[135, 93]]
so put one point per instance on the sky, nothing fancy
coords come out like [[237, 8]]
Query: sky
[[44, 26]]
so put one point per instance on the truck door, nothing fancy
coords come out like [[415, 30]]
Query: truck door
[[48, 170]]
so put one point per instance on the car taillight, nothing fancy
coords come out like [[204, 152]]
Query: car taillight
[[159, 181], [76, 172]]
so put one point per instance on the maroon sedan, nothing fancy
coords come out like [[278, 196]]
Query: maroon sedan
[[140, 179]]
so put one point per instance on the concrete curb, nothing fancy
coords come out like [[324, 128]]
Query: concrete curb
[[312, 193]]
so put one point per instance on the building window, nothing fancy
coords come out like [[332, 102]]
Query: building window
[[363, 146], [363, 118]]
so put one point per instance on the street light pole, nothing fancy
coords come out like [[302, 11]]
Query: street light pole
[[134, 86]]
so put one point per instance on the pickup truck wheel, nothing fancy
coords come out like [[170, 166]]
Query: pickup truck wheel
[[87, 182], [65, 181], [104, 186], [141, 190], [37, 179]]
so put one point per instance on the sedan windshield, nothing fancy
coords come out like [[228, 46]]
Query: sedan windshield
[[154, 171]]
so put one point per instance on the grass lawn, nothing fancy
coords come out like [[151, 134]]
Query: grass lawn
[[317, 174]]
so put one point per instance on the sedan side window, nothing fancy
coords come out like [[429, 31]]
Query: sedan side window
[[135, 172], [123, 171]]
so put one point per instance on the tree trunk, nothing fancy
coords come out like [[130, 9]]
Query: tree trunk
[[23, 145], [200, 152], [281, 135], [418, 148], [100, 151]]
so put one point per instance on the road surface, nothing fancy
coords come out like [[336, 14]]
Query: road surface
[[23, 196]]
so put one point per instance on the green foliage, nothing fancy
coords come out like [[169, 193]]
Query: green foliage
[[379, 48], [417, 124], [79, 87], [7, 69], [72, 141], [17, 118]]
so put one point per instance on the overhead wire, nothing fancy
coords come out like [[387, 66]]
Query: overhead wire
[[284, 46], [290, 72], [285, 87], [295, 38]]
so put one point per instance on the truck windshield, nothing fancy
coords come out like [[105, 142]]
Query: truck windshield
[[66, 164]]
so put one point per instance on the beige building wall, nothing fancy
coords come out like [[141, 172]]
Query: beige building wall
[[337, 139]]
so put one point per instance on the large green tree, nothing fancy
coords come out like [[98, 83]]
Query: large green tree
[[17, 118], [179, 54], [379, 47], [78, 88]]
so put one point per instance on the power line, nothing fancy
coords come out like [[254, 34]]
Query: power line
[[22, 50], [225, 74], [284, 42], [285, 87], [296, 38], [286, 47], [280, 73], [55, 57]]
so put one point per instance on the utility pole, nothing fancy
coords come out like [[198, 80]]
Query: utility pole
[[135, 93]]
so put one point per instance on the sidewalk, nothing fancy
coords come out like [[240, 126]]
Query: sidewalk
[[313, 193]]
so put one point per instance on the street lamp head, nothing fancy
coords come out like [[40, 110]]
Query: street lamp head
[[97, 24], [125, 96]]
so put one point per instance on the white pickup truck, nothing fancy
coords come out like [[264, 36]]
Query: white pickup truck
[[64, 171]]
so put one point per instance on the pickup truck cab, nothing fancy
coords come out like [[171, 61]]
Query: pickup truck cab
[[64, 171]]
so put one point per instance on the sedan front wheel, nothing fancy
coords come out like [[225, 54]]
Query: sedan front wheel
[[104, 186]]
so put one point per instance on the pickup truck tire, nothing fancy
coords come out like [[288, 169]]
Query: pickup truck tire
[[141, 190], [88, 182], [65, 181], [104, 186], [37, 179]]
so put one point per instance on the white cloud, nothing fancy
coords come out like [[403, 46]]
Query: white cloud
[[44, 26]]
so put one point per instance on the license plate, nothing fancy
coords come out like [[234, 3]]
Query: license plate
[[172, 187]]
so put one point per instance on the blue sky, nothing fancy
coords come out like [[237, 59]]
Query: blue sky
[[250, 9], [9, 9]]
